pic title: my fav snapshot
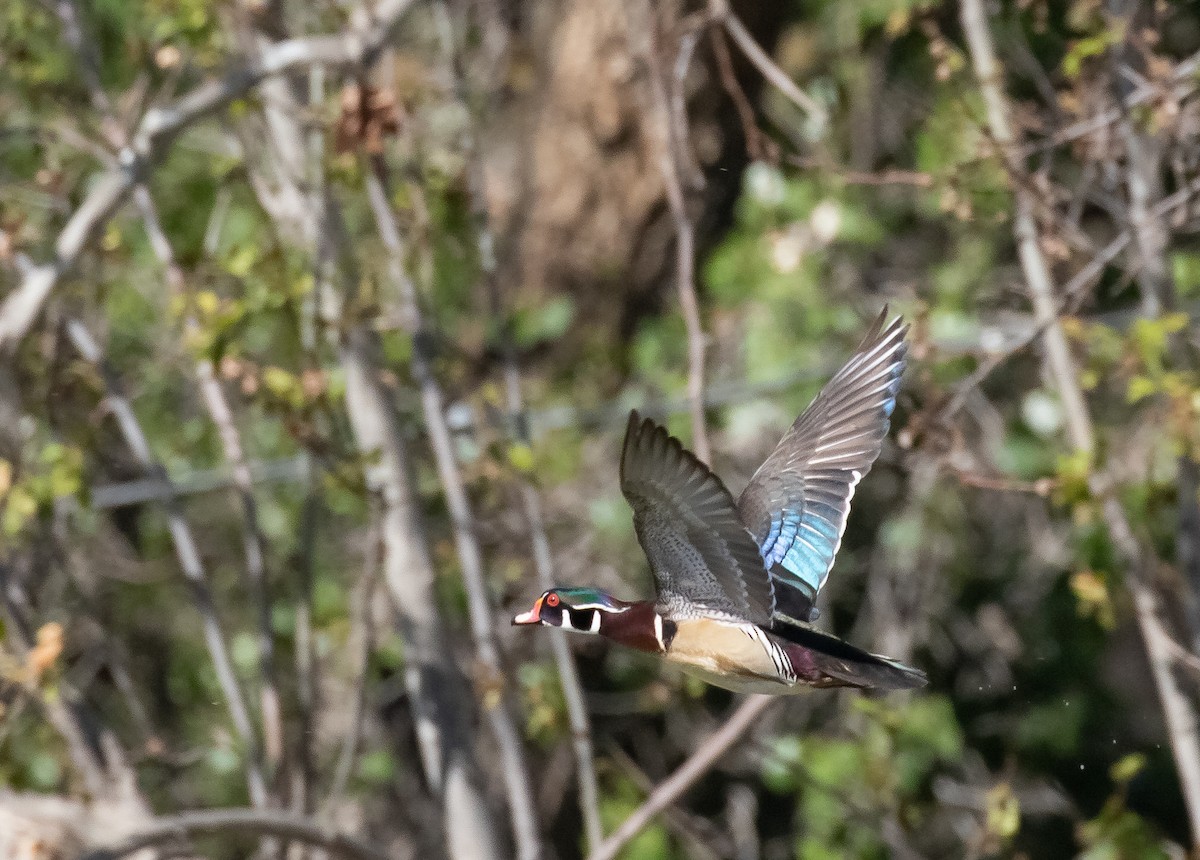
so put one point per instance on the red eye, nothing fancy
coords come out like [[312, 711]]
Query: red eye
[[552, 600]]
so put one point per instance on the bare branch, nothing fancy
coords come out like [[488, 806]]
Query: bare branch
[[441, 715], [671, 143], [154, 135], [1033, 262], [568, 674], [891, 176], [1177, 709], [702, 839], [758, 145], [777, 77], [221, 414], [1183, 82], [497, 707], [190, 563], [172, 829], [708, 752]]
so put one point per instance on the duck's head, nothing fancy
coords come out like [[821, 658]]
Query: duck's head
[[583, 610]]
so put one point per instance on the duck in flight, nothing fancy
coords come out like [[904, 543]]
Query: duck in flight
[[737, 580]]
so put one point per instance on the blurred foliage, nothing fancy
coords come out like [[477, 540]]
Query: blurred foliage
[[1038, 736]]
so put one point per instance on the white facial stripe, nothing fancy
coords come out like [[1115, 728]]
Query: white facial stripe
[[658, 633], [600, 606], [595, 628]]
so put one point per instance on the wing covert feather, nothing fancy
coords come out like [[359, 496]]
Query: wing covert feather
[[700, 552]]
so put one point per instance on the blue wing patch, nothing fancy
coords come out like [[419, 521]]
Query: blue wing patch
[[804, 545]]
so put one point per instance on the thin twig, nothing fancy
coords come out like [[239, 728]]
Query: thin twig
[[758, 145], [568, 674], [1177, 709], [890, 176], [1071, 292], [361, 643], [708, 752], [671, 144], [171, 829], [777, 77], [1183, 81], [702, 839], [1072, 296]]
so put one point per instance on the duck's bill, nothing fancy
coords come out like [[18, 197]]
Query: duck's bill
[[530, 617]]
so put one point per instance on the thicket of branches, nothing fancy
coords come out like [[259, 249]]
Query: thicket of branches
[[318, 326]]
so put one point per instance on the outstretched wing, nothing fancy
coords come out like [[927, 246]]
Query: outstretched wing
[[701, 554], [797, 502]]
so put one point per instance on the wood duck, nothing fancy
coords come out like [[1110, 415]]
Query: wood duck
[[737, 581]]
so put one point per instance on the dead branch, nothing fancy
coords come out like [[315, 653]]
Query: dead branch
[[671, 144], [708, 752], [172, 829], [441, 712], [777, 77], [702, 838]]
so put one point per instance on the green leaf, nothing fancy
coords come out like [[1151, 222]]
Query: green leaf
[[1091, 46], [1003, 811], [1127, 767], [521, 458], [547, 322], [377, 767], [1140, 387]]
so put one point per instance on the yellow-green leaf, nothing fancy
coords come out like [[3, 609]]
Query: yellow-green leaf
[[1127, 767], [1003, 811], [1140, 387]]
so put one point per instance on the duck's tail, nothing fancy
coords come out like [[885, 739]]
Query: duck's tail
[[839, 664]]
